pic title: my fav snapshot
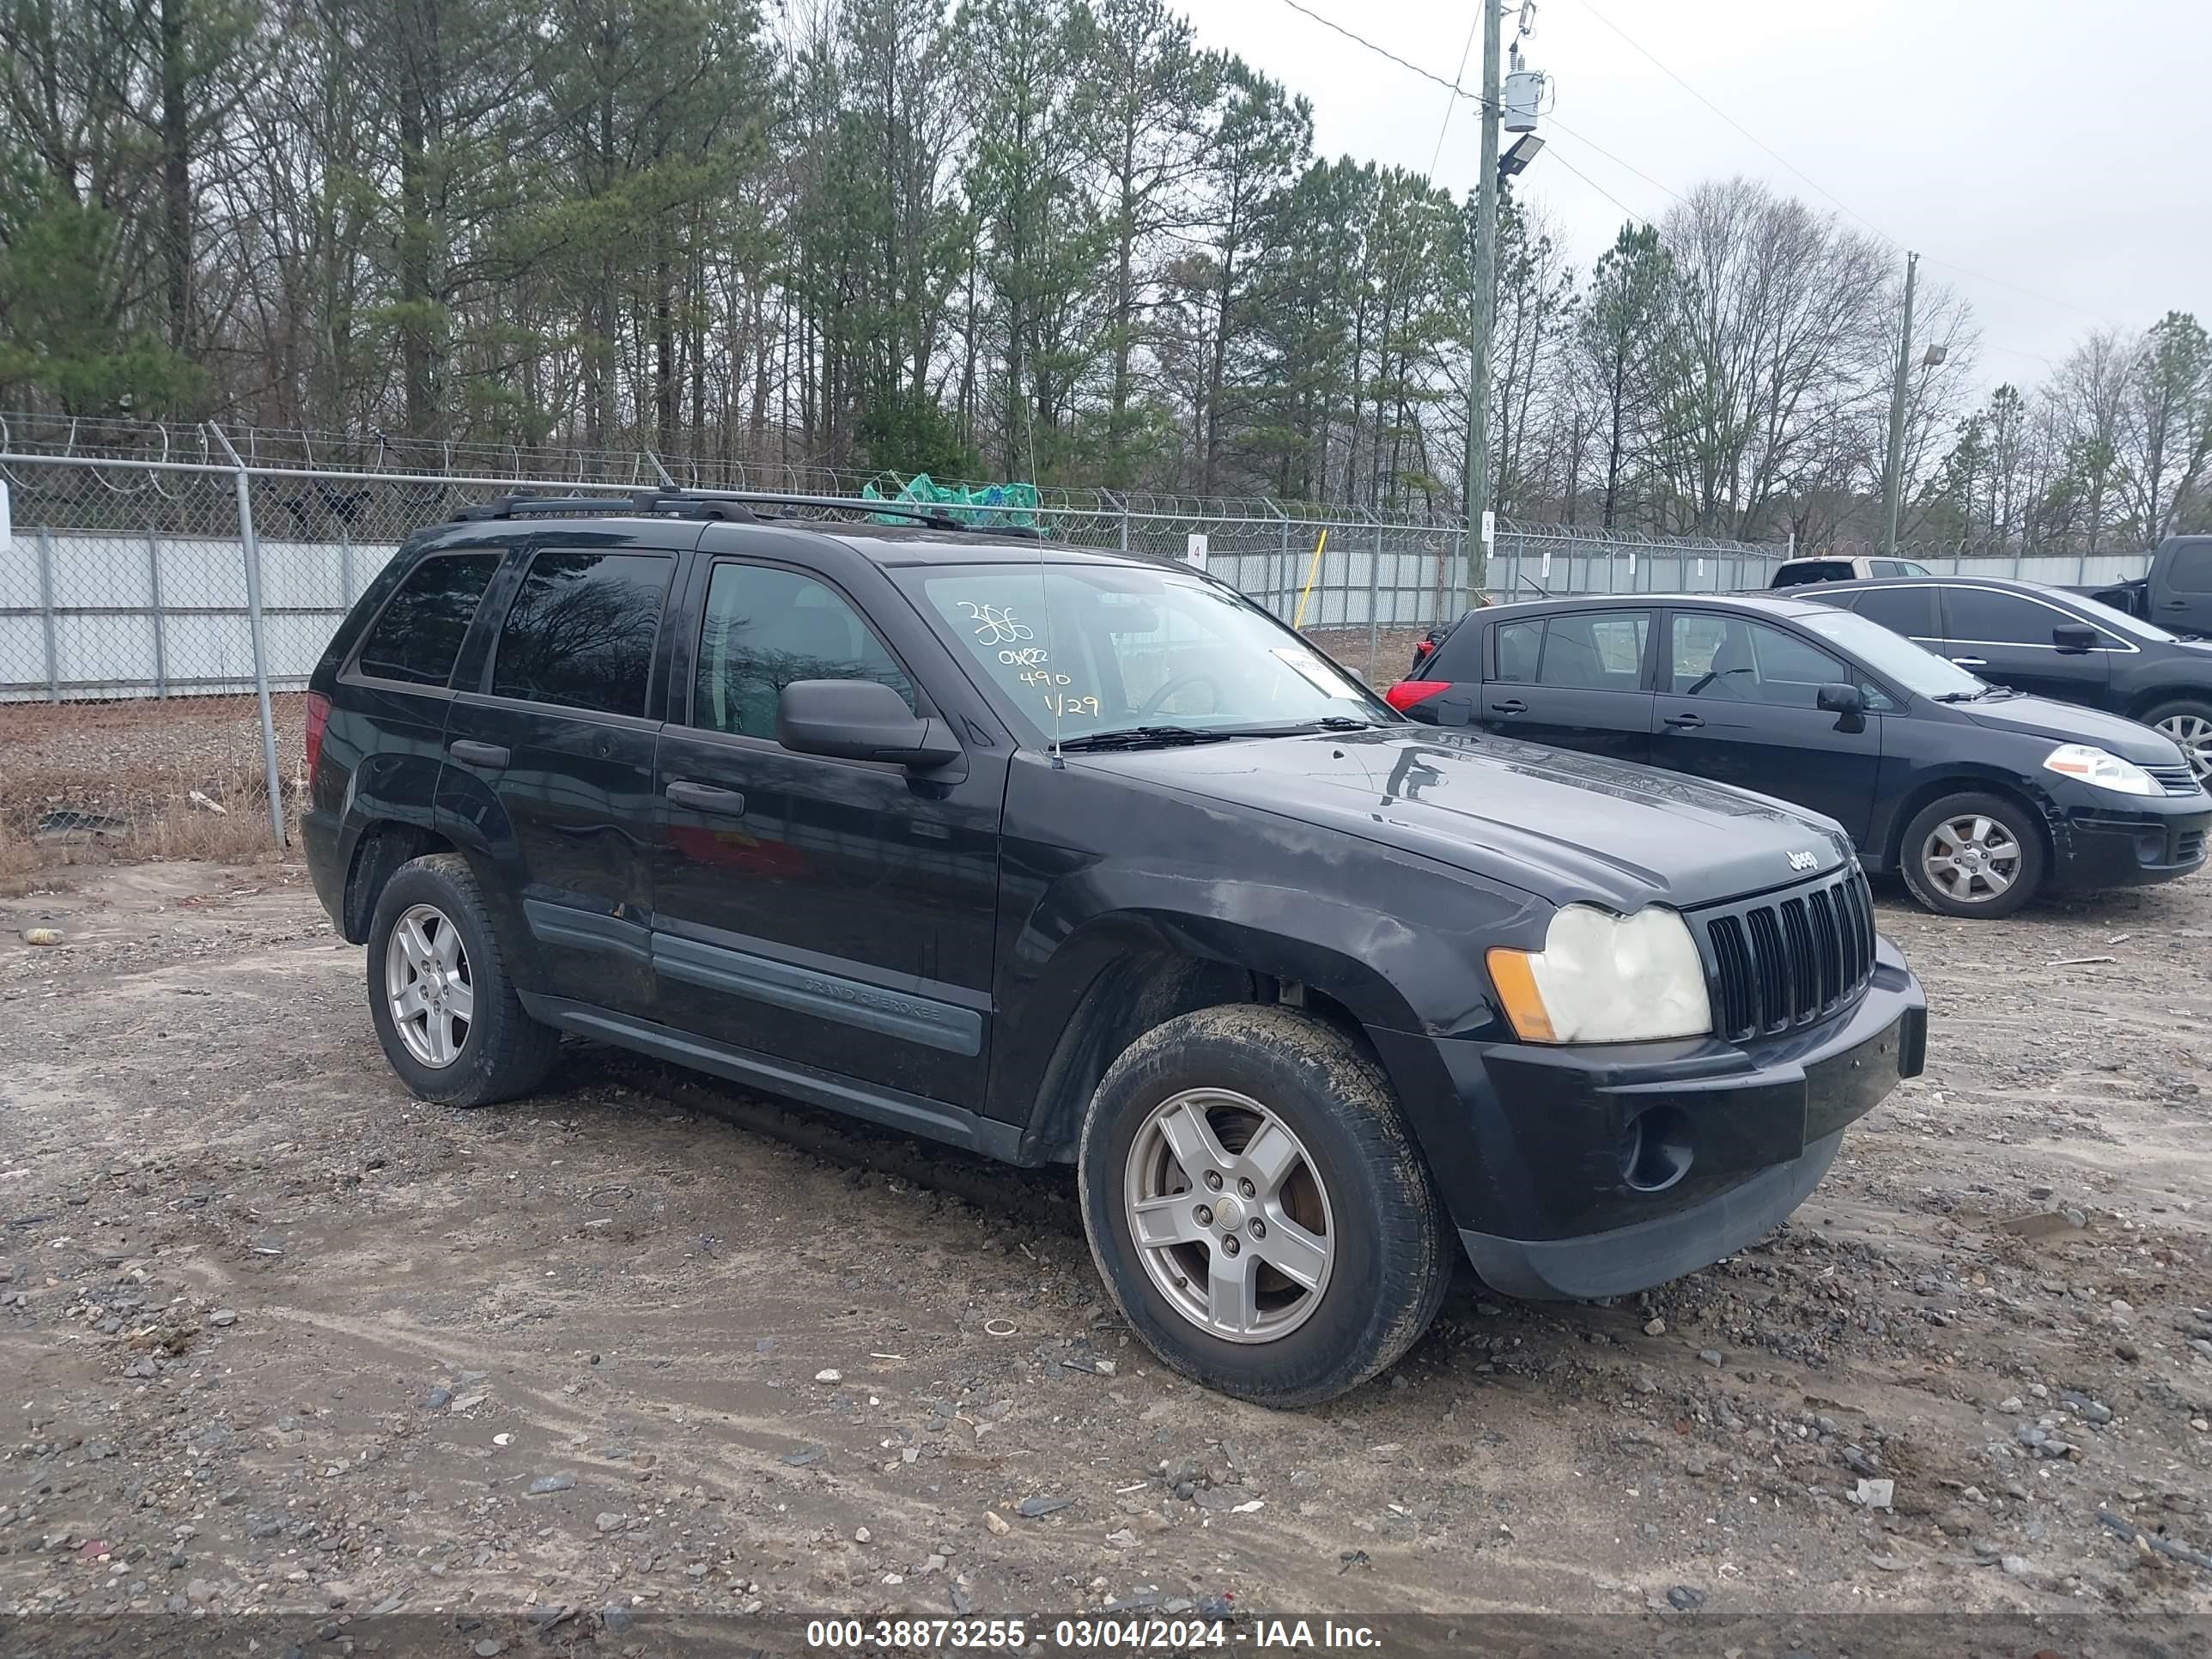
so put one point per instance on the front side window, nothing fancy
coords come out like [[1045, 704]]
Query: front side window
[[1989, 615], [580, 633], [418, 638], [1729, 659], [2191, 571], [765, 628], [1602, 651], [1077, 651]]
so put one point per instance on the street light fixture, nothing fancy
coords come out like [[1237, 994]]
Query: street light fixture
[[1524, 151]]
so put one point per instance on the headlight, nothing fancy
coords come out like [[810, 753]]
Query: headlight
[[2091, 764], [1603, 978]]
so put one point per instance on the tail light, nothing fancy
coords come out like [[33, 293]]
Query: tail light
[[1404, 695], [319, 716]]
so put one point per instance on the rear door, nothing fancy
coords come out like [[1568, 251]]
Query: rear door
[[1740, 707], [834, 913], [2181, 595], [2005, 636], [1575, 678], [554, 745]]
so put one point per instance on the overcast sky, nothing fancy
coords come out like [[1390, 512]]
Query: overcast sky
[[2063, 148]]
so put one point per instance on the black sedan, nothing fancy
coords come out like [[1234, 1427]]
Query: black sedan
[[1979, 796], [2053, 643]]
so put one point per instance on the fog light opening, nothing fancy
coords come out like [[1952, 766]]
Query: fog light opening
[[1654, 1150]]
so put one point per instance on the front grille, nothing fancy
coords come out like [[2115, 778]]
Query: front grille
[[1789, 959], [2175, 780]]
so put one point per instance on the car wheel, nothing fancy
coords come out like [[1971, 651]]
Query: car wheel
[[1973, 855], [439, 994], [1257, 1208], [2189, 724]]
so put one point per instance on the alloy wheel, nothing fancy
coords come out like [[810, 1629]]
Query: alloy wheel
[[428, 986], [1971, 859], [2194, 733], [1230, 1216]]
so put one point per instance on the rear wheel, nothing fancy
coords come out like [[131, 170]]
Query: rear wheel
[[444, 1008], [2189, 724], [1257, 1208], [1973, 855]]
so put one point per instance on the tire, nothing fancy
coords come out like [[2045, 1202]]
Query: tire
[[2189, 723], [492, 1050], [2008, 871], [1347, 1177]]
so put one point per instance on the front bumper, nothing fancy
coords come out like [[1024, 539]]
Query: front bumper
[[2103, 840], [1529, 1144]]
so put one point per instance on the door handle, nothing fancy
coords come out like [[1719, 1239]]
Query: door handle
[[706, 797], [472, 753], [1684, 722], [1970, 662], [1510, 705], [2173, 604]]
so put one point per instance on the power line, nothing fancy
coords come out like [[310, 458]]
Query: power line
[[1450, 104], [1652, 57], [1384, 51], [1641, 218], [1583, 139]]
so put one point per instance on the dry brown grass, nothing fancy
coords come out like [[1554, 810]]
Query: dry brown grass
[[93, 783]]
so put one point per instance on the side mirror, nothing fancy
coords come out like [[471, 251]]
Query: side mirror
[[1846, 702], [860, 720], [2073, 639]]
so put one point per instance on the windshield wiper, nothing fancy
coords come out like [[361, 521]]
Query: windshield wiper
[[1972, 697], [1143, 737], [1301, 728]]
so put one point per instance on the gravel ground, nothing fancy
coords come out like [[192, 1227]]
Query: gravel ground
[[280, 1337]]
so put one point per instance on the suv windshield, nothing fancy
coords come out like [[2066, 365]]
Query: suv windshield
[[1082, 651], [1895, 658]]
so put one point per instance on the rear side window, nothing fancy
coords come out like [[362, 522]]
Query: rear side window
[[418, 637], [1907, 611], [765, 628], [580, 632], [1603, 651], [1519, 645]]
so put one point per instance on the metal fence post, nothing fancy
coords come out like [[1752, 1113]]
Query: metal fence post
[[46, 612], [154, 612], [251, 545], [1374, 602]]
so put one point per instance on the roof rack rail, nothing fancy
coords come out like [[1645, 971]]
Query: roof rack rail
[[735, 504]]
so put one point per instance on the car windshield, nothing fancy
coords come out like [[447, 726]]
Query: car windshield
[[1895, 658], [2119, 622], [1082, 652]]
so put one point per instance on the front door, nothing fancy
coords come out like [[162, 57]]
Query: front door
[[553, 754], [1739, 706], [2005, 637], [1575, 679], [833, 913]]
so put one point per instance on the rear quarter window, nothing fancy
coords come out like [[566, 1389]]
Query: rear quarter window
[[417, 637]]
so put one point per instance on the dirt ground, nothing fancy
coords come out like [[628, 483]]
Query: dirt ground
[[275, 1335]]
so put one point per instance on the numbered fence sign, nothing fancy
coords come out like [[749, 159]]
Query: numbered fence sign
[[1193, 548]]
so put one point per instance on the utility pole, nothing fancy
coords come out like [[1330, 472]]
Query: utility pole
[[1892, 487], [1486, 306]]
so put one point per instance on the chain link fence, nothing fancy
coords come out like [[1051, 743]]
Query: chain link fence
[[160, 615]]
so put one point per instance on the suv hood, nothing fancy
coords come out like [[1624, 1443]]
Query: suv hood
[[2063, 722], [1566, 826]]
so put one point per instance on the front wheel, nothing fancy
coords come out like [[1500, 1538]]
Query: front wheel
[[1973, 855], [2189, 723], [1257, 1208]]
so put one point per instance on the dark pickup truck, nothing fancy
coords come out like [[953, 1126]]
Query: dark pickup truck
[[2175, 592]]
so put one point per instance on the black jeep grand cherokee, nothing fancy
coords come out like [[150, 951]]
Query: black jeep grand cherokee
[[1070, 857]]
